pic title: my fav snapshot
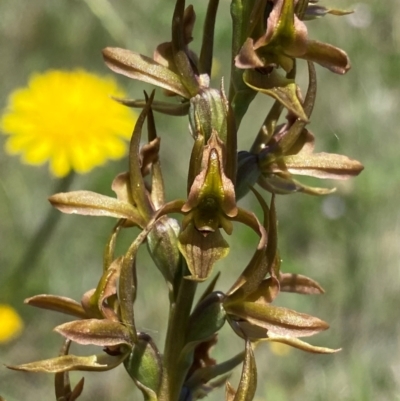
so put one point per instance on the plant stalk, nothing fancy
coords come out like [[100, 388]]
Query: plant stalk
[[174, 373]]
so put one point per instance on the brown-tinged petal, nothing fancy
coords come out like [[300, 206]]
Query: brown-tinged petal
[[266, 291], [229, 392], [247, 57], [95, 302], [247, 330], [304, 144], [108, 254], [101, 332], [278, 320], [170, 109], [268, 128], [297, 343], [127, 284], [263, 259], [99, 363], [211, 201], [201, 252], [278, 185], [137, 186], [323, 165], [254, 272], [280, 88], [284, 184], [107, 288], [314, 11], [149, 155], [71, 395], [297, 138], [328, 56], [89, 304], [121, 187], [57, 304], [251, 220], [284, 30], [62, 384], [248, 379], [163, 53], [299, 284], [142, 68], [157, 191], [90, 203], [183, 64]]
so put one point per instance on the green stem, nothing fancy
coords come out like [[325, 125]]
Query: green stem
[[110, 19], [240, 95], [43, 234], [173, 372]]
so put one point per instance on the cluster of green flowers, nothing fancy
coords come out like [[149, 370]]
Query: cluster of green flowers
[[268, 38]]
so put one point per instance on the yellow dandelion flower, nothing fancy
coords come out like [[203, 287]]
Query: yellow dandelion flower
[[68, 119], [10, 323]]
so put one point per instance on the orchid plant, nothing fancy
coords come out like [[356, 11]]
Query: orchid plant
[[268, 36]]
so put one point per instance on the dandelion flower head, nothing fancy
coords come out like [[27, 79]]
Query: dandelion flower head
[[10, 323], [68, 119]]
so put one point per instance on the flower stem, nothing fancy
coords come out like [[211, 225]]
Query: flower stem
[[174, 372], [43, 234]]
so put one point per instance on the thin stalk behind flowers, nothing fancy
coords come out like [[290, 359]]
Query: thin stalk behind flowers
[[39, 240], [174, 372], [110, 19]]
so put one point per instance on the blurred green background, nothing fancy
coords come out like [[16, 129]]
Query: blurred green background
[[349, 241]]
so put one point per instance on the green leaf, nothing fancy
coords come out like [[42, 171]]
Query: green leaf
[[101, 332], [142, 68], [144, 365], [99, 363], [90, 203]]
